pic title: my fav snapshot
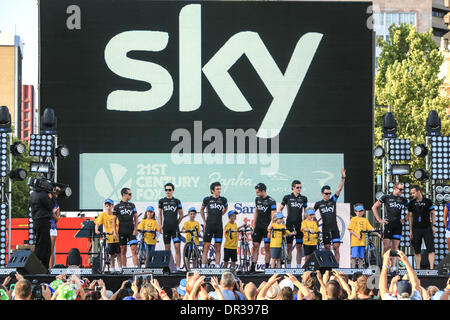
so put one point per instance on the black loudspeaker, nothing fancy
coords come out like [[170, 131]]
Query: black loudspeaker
[[161, 259], [74, 258], [26, 262], [321, 260], [443, 267]]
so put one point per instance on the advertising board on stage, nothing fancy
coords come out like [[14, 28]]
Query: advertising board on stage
[[239, 92]]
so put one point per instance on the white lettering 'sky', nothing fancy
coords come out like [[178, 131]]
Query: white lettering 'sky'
[[283, 87]]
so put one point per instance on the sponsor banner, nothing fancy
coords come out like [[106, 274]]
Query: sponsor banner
[[104, 175]]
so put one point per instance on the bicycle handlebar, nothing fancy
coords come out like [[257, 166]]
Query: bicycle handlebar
[[370, 233]]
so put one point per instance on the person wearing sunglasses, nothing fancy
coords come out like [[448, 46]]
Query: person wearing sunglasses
[[170, 216], [327, 209], [296, 205], [125, 214], [393, 203]]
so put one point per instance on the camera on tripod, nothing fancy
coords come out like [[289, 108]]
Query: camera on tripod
[[42, 184]]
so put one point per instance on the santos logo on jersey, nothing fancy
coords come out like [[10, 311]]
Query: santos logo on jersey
[[282, 86]]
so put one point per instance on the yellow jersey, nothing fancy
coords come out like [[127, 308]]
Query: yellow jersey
[[106, 220], [312, 226], [276, 237], [231, 243], [191, 225], [358, 224], [149, 225]]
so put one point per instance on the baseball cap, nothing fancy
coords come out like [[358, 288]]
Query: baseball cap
[[109, 201], [279, 215], [182, 287], [129, 298], [192, 209], [150, 208], [359, 208], [310, 211], [403, 286], [286, 283], [232, 212]]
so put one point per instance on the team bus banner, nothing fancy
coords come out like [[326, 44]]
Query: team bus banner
[[147, 92]]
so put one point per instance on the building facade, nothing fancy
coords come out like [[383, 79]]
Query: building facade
[[11, 78]]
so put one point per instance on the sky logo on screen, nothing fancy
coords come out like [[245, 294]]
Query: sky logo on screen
[[109, 181], [283, 87]]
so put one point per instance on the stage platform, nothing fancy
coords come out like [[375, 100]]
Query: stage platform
[[171, 280]]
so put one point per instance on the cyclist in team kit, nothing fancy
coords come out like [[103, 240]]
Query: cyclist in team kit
[[170, 216], [265, 210], [393, 203], [216, 206], [296, 204], [125, 214], [327, 210]]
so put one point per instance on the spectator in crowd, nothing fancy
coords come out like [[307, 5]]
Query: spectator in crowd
[[229, 288], [404, 289], [22, 290], [331, 285], [250, 291]]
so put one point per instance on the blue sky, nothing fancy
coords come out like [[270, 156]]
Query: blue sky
[[20, 17]]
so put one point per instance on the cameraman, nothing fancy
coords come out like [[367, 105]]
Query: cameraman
[[42, 204]]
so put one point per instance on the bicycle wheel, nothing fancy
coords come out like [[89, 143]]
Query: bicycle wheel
[[188, 256], [103, 257], [248, 258], [211, 256], [284, 255], [142, 254], [242, 258], [196, 257], [371, 258]]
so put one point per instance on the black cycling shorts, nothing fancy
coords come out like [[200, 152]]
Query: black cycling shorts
[[113, 248], [169, 234], [331, 235], [229, 254], [298, 236], [393, 231], [308, 250], [213, 232], [260, 234], [420, 234], [127, 239]]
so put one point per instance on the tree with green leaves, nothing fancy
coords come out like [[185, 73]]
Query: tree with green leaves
[[407, 81]]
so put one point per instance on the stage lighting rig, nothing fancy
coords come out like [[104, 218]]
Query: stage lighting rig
[[440, 160], [420, 150], [421, 174], [389, 126], [399, 149], [379, 152], [433, 124]]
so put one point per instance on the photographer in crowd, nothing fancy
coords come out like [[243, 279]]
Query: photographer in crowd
[[405, 290]]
